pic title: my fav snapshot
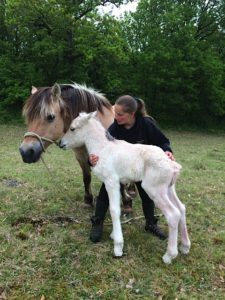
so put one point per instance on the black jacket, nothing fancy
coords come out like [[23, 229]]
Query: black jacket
[[144, 131]]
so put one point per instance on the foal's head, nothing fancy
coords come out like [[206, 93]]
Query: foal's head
[[79, 128]]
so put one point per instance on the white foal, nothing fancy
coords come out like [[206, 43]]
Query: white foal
[[122, 162]]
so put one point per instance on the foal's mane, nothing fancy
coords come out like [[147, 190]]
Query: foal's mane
[[74, 99]]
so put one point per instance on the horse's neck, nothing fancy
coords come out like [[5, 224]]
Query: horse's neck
[[95, 138], [106, 117]]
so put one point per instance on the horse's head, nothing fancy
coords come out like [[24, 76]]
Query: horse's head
[[75, 136], [45, 113]]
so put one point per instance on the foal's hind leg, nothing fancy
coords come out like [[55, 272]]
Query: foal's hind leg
[[159, 195], [185, 242], [82, 158]]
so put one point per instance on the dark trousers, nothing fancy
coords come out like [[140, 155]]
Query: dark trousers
[[102, 203]]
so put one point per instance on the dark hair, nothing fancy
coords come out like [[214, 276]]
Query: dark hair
[[132, 104]]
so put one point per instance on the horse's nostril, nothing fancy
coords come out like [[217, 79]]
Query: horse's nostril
[[21, 151], [30, 154]]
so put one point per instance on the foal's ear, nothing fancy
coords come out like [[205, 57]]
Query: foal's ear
[[33, 90], [56, 91], [91, 115], [94, 114]]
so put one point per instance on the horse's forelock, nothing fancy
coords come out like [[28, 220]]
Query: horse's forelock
[[40, 104]]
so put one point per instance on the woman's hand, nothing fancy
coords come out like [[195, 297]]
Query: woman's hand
[[93, 159], [170, 155]]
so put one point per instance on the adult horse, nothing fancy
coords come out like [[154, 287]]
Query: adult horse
[[49, 112]]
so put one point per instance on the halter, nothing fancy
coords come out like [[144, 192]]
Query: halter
[[40, 139]]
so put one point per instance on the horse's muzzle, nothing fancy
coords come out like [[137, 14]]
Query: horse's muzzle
[[31, 153]]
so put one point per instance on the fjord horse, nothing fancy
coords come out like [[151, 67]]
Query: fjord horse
[[49, 112]]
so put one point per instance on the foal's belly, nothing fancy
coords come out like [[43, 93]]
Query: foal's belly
[[131, 173]]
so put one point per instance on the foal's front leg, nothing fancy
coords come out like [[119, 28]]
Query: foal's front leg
[[113, 190]]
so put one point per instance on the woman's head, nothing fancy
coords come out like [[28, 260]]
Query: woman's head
[[127, 107]]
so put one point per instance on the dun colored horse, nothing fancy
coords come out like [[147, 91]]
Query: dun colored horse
[[49, 112]]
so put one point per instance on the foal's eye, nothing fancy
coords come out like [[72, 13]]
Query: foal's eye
[[72, 128], [51, 117]]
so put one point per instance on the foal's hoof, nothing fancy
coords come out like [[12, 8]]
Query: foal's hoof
[[88, 202], [118, 250], [167, 258], [121, 256], [118, 257], [184, 249]]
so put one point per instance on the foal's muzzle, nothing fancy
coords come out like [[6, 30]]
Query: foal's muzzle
[[31, 153], [62, 144]]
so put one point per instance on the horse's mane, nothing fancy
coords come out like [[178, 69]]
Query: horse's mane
[[74, 99]]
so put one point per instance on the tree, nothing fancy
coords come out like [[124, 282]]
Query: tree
[[43, 42], [178, 60]]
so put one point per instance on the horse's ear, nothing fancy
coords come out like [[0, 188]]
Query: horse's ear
[[33, 90], [56, 91]]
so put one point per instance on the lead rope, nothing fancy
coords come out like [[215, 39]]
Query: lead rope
[[126, 221], [41, 139]]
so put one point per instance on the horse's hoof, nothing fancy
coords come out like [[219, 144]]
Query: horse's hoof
[[127, 210], [87, 205], [89, 201]]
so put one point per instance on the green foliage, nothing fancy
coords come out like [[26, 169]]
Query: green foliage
[[170, 53], [180, 70]]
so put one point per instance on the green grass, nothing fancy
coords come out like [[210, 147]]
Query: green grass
[[39, 255]]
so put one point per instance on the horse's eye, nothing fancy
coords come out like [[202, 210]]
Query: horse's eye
[[51, 117], [72, 128]]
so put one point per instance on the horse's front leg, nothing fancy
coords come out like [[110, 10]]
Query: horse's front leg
[[126, 199], [113, 190], [82, 158]]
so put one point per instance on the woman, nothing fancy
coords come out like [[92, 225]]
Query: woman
[[133, 125]]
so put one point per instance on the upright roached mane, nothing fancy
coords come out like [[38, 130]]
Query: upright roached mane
[[148, 164]]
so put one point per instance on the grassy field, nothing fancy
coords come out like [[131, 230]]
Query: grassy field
[[45, 252]]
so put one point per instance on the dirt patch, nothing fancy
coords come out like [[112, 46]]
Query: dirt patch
[[11, 182], [40, 221]]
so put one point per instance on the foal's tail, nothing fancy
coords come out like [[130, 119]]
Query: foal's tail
[[176, 168]]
